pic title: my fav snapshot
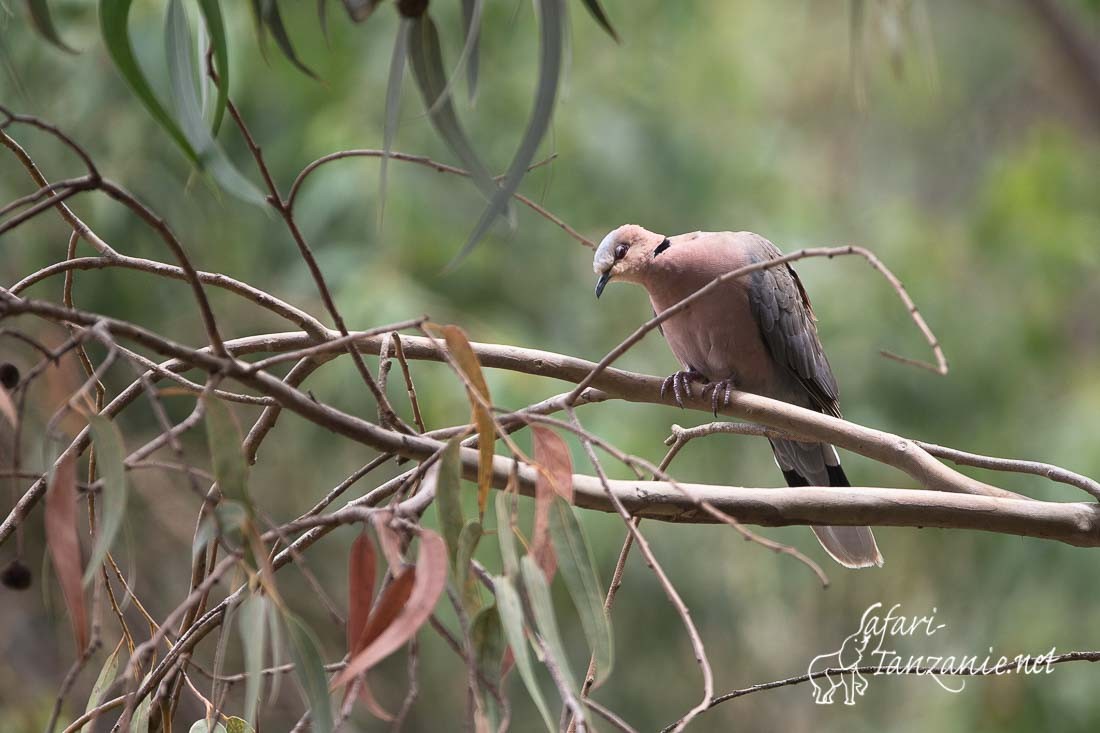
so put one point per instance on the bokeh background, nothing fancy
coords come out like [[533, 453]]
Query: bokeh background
[[957, 146]]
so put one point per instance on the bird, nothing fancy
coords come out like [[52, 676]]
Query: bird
[[755, 333]]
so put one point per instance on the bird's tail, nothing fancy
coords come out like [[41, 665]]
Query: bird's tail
[[815, 464]]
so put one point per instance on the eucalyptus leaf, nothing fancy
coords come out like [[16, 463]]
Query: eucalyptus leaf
[[305, 652], [252, 620], [42, 20], [578, 568], [110, 458], [542, 606], [184, 77], [511, 619], [113, 19]]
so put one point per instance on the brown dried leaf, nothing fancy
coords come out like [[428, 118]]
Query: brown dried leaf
[[64, 546], [555, 478], [361, 573], [459, 346], [393, 599], [428, 583]]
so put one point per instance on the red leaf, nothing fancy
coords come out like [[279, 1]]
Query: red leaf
[[361, 571], [393, 599], [64, 546], [555, 476], [429, 580]]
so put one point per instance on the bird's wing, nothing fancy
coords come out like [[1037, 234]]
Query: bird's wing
[[786, 319]]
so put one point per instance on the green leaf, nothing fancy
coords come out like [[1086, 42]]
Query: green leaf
[[105, 679], [393, 106], [215, 26], [223, 438], [538, 593], [598, 13], [308, 666], [184, 77], [465, 580], [511, 618], [229, 516], [487, 638], [113, 17], [253, 624], [507, 540], [238, 725], [551, 21], [110, 458], [42, 21], [139, 723], [202, 726], [426, 58], [578, 567], [271, 17], [448, 498], [472, 30]]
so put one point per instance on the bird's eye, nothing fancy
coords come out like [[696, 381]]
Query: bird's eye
[[620, 251]]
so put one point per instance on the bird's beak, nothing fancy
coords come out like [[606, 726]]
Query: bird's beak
[[602, 283]]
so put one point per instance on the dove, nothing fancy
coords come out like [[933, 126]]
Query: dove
[[755, 333]]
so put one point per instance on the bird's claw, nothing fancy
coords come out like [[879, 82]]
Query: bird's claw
[[720, 393], [680, 384]]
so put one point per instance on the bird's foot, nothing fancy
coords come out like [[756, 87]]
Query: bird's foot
[[680, 384], [720, 393]]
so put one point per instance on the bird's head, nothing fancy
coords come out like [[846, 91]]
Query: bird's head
[[625, 254]]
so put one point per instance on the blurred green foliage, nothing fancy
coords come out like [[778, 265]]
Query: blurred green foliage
[[973, 171]]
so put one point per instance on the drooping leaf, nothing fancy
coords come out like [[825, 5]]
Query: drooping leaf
[[273, 20], [578, 568], [393, 106], [7, 408], [551, 22], [394, 598], [448, 499], [362, 568], [542, 606], [431, 578], [511, 619], [509, 557], [139, 722], [185, 79], [426, 58], [105, 679], [110, 457], [472, 31], [598, 13], [468, 47], [465, 580], [487, 639], [229, 517], [215, 26], [223, 438], [252, 621], [64, 546], [554, 478], [113, 18], [310, 670], [42, 20], [459, 346]]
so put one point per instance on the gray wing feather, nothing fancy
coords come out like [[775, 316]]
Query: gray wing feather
[[786, 319]]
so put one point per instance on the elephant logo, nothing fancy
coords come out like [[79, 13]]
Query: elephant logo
[[840, 669]]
